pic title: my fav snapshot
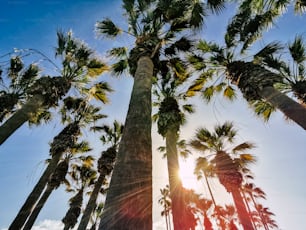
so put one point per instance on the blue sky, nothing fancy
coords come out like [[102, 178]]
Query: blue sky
[[280, 170]]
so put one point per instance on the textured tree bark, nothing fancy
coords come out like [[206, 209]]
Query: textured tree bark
[[243, 215], [32, 218], [27, 207], [292, 109], [20, 117], [91, 205], [175, 184], [128, 204]]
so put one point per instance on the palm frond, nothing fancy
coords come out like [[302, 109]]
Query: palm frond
[[243, 146], [216, 6], [197, 15], [107, 28], [297, 49]]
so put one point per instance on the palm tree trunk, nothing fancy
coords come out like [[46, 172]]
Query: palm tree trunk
[[243, 214], [256, 82], [288, 106], [209, 189], [20, 117], [29, 224], [128, 202], [176, 193], [91, 205], [27, 207], [248, 207], [259, 212]]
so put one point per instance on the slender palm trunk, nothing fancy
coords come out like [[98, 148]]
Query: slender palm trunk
[[264, 223], [128, 202], [249, 209], [243, 214], [175, 184], [91, 205], [209, 189], [27, 207], [29, 224], [20, 117], [256, 82], [288, 106]]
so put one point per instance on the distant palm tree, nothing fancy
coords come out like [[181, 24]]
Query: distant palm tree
[[83, 176], [227, 169], [106, 162], [80, 113], [165, 201], [79, 66]]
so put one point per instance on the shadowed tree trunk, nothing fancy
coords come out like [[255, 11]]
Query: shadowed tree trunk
[[256, 82], [128, 203]]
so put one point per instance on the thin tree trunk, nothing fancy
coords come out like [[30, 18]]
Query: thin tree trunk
[[128, 204], [29, 224], [91, 205], [292, 109], [243, 214], [27, 207], [249, 209], [209, 189], [175, 184], [259, 213], [20, 117]]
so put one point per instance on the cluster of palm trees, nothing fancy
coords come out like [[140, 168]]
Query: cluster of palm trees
[[168, 59]]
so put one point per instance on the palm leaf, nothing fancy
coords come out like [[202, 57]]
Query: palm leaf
[[197, 15], [297, 50], [243, 146], [229, 92], [107, 28], [208, 93]]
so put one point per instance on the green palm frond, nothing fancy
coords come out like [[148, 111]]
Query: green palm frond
[[99, 91], [208, 93], [189, 108], [107, 28], [297, 50], [197, 62], [119, 67], [270, 49], [243, 146], [229, 92], [118, 52], [197, 85], [96, 67], [197, 15], [263, 109], [216, 6], [300, 6]]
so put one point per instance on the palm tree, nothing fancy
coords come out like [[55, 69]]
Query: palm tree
[[63, 142], [165, 201], [83, 176], [169, 120], [152, 24], [228, 169], [105, 167], [254, 80], [79, 66]]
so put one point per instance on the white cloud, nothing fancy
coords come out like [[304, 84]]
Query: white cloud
[[49, 225]]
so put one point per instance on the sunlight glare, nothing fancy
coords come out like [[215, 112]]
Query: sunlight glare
[[189, 180]]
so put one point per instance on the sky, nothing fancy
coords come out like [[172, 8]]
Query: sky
[[280, 170]]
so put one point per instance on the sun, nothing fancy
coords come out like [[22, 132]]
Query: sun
[[189, 180]]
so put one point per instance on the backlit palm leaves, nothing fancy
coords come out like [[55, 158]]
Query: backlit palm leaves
[[79, 65], [227, 164]]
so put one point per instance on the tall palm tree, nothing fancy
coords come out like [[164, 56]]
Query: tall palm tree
[[83, 176], [227, 168], [105, 167], [79, 65], [152, 23], [169, 120], [63, 142], [255, 81]]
